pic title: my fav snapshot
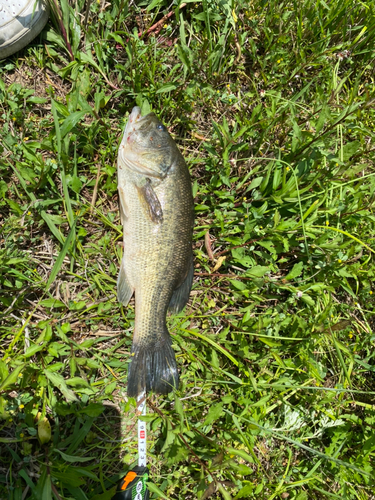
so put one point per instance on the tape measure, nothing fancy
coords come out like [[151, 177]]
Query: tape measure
[[134, 485]]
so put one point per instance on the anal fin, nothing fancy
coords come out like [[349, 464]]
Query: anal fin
[[181, 294], [124, 290]]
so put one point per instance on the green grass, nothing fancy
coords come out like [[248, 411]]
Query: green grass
[[272, 105]]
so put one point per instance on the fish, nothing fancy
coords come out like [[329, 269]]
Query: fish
[[157, 215]]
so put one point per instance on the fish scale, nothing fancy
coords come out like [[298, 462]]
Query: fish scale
[[157, 260]]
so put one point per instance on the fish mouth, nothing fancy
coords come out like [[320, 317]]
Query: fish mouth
[[135, 122]]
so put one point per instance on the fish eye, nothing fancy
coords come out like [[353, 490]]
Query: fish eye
[[160, 127]]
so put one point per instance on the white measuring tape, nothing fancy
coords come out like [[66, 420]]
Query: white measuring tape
[[142, 434], [134, 484]]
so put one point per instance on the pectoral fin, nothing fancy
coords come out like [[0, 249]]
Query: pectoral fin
[[181, 294], [150, 201], [124, 289]]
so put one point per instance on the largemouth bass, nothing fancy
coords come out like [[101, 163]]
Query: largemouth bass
[[156, 208]]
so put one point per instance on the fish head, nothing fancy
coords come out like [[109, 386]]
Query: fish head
[[146, 147]]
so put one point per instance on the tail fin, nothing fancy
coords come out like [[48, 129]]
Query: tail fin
[[153, 367]]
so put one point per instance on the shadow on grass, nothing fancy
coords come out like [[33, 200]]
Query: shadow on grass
[[85, 457]]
